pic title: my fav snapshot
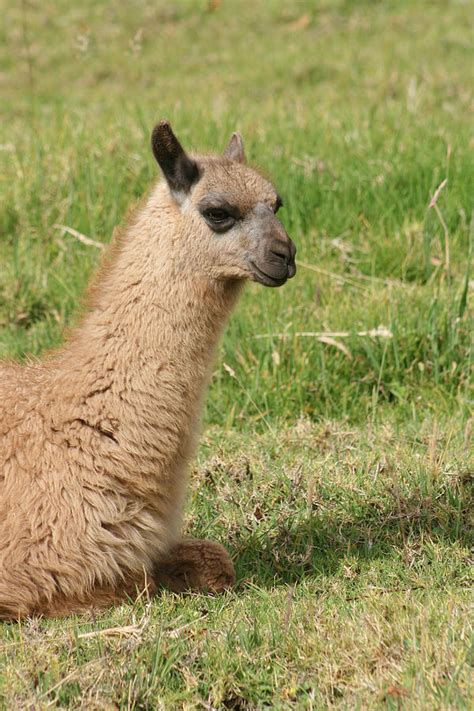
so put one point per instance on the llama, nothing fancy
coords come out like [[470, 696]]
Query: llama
[[95, 438]]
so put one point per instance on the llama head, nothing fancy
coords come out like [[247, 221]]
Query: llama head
[[227, 212]]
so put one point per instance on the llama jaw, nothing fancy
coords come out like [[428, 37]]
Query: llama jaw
[[262, 277]]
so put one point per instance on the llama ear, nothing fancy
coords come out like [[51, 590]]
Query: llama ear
[[180, 171], [235, 149]]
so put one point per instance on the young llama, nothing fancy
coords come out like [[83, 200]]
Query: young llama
[[95, 438]]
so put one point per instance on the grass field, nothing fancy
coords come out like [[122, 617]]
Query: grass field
[[336, 468]]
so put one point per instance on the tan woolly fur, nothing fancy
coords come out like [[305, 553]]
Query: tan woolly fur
[[96, 437]]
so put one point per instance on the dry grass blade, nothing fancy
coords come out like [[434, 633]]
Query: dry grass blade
[[437, 193], [353, 279], [333, 342], [289, 608], [79, 236], [113, 632], [332, 275], [328, 336], [434, 204]]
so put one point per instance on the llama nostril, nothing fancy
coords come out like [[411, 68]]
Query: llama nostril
[[281, 255]]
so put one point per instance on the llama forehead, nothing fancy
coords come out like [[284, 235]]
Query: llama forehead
[[237, 184]]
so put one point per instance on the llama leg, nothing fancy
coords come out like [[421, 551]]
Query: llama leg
[[194, 564]]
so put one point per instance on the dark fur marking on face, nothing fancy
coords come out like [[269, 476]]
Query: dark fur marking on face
[[180, 171], [278, 203], [219, 214]]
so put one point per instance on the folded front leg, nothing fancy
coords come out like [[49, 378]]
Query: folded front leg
[[194, 564]]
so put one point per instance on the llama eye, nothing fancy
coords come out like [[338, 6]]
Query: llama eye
[[216, 214], [218, 219]]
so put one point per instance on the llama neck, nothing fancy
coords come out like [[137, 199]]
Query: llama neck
[[153, 301], [142, 356]]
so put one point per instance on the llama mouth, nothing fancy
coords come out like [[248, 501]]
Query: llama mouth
[[264, 278]]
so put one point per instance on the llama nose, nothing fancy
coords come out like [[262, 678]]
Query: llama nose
[[286, 251]]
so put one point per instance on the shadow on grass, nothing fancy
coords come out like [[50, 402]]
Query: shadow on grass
[[320, 542]]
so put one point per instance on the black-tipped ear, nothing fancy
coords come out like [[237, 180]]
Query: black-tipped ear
[[180, 171], [235, 149]]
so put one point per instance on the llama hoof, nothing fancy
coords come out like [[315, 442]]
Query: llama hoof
[[195, 565]]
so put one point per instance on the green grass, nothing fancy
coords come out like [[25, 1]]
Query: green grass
[[338, 471], [352, 549]]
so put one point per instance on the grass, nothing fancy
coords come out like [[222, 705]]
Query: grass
[[352, 549], [338, 469]]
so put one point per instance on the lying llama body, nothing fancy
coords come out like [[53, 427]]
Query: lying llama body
[[95, 439]]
